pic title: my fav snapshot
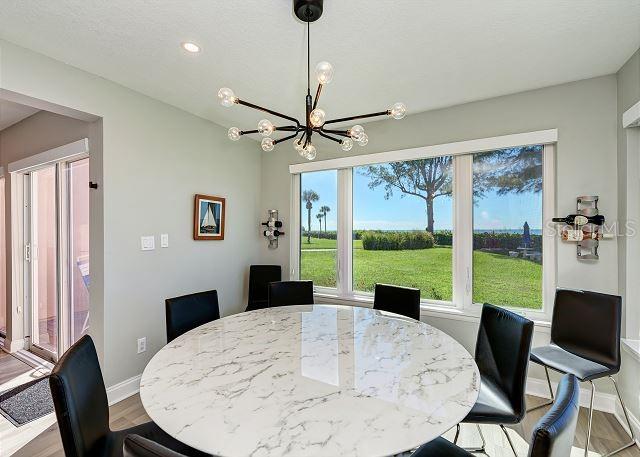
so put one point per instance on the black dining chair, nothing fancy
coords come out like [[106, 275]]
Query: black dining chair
[[138, 446], [585, 342], [259, 278], [82, 411], [552, 436], [190, 311], [502, 355], [286, 293], [396, 299]]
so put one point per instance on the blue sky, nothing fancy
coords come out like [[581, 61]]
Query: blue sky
[[372, 211]]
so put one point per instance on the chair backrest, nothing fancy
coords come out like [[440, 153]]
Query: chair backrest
[[399, 300], [138, 446], [285, 293], [553, 434], [588, 324], [502, 352], [80, 399], [259, 278], [190, 311]]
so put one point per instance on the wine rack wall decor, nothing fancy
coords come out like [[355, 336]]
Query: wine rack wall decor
[[273, 226], [585, 227]]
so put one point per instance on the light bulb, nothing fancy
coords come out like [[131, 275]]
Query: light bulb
[[346, 144], [267, 144], [234, 134], [227, 97], [310, 152], [317, 117], [298, 147], [324, 72], [265, 127], [398, 110], [363, 139], [356, 131]]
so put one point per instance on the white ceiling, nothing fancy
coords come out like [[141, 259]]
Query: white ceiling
[[12, 113], [427, 53]]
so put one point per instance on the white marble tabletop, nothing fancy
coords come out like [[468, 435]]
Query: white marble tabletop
[[316, 380]]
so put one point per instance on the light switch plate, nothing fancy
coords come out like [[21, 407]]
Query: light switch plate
[[164, 240], [148, 243]]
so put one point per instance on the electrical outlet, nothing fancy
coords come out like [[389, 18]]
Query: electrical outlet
[[142, 345], [164, 240], [148, 243]]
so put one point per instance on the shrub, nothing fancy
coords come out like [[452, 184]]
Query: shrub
[[505, 241], [443, 237], [396, 241]]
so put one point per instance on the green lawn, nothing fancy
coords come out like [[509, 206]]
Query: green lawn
[[319, 243], [497, 279]]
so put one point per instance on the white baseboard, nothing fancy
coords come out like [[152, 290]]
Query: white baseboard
[[123, 390], [601, 402]]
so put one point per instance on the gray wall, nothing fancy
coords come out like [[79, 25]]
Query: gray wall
[[584, 113], [628, 78], [154, 158]]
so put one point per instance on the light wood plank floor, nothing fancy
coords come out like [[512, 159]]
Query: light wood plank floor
[[42, 439]]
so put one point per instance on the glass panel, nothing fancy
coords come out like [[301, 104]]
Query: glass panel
[[78, 181], [44, 272], [402, 226], [3, 263], [507, 227], [318, 219]]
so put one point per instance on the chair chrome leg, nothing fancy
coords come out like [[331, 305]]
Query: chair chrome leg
[[481, 449], [504, 429], [626, 416], [586, 446], [546, 403]]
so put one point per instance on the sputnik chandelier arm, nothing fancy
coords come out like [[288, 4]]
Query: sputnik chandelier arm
[[308, 11]]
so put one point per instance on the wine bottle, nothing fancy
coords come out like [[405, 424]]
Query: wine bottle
[[569, 234], [579, 219], [270, 233]]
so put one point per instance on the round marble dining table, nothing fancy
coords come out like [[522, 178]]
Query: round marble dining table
[[313, 380]]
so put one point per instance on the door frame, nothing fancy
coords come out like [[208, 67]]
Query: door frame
[[22, 292]]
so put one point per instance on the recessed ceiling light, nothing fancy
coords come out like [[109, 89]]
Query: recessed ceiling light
[[190, 47]]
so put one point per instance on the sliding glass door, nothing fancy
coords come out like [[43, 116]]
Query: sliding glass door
[[56, 233]]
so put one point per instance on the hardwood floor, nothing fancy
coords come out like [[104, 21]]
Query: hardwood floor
[[42, 439]]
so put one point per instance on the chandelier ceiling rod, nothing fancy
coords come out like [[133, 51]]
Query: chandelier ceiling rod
[[307, 11]]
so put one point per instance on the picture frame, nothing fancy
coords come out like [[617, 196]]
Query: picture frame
[[208, 217]]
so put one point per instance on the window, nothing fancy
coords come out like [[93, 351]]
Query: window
[[318, 236], [507, 227], [402, 226], [465, 227]]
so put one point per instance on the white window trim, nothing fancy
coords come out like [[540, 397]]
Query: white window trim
[[461, 307], [424, 152], [67, 152]]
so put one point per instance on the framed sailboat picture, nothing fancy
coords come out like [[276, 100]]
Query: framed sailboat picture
[[208, 219]]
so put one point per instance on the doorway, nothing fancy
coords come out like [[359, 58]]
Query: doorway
[[56, 255]]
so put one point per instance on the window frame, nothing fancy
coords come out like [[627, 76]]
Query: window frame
[[462, 257]]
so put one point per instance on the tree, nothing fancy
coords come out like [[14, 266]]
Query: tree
[[511, 170], [319, 216], [309, 196], [324, 210], [427, 179]]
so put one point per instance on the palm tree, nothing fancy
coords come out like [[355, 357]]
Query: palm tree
[[309, 196], [319, 216], [324, 210]]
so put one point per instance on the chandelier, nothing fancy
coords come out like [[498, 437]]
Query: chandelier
[[307, 11]]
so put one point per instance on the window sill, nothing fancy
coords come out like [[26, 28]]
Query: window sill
[[426, 309], [632, 347]]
